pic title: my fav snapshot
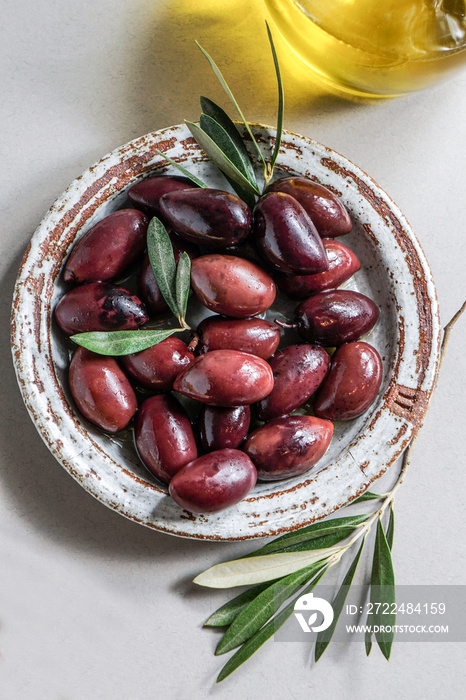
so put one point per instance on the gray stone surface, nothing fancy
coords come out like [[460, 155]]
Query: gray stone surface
[[92, 605]]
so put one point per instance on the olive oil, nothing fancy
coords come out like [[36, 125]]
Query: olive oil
[[375, 47]]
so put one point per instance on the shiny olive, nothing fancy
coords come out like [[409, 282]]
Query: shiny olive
[[336, 316], [107, 248], [147, 284], [288, 446], [101, 390], [207, 216], [99, 306], [343, 263], [221, 427], [328, 213], [352, 383], [287, 236], [158, 366], [146, 194], [252, 335], [226, 378], [163, 435], [213, 482], [232, 286], [298, 370]]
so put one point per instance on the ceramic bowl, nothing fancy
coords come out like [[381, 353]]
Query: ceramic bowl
[[394, 273]]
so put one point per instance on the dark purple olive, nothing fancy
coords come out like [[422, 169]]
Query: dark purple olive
[[221, 427], [207, 216], [288, 446], [101, 390], [163, 435], [146, 194], [287, 236], [328, 213], [213, 482], [336, 316], [226, 378], [343, 263], [352, 383], [99, 306], [298, 370], [158, 366], [251, 335], [107, 248], [232, 286], [147, 284]]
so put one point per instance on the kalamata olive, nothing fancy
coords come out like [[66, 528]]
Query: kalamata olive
[[99, 306], [288, 446], [287, 236], [298, 370], [157, 366], [352, 383], [146, 194], [108, 248], [101, 390], [232, 286], [213, 482], [336, 316], [221, 427], [147, 284], [226, 378], [343, 263], [252, 335], [328, 213], [164, 437], [207, 216]]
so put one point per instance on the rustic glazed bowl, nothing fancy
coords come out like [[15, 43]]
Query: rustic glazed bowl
[[394, 273]]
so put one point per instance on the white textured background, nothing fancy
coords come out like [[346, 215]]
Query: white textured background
[[94, 606]]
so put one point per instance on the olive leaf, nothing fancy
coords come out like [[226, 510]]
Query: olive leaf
[[382, 594], [389, 535], [324, 637], [182, 285], [185, 172], [254, 615], [229, 611], [218, 157], [367, 496], [281, 103], [162, 260], [118, 343], [265, 632]]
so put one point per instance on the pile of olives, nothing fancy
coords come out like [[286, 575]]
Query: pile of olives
[[247, 392]]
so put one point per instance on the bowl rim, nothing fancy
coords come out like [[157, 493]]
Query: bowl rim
[[32, 312]]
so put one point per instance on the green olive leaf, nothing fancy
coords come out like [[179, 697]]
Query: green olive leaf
[[218, 157], [162, 260], [118, 343], [382, 594], [229, 611], [367, 496], [182, 285], [324, 637], [281, 103], [185, 172], [389, 535]]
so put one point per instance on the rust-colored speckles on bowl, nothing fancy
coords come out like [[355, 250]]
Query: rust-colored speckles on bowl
[[394, 272]]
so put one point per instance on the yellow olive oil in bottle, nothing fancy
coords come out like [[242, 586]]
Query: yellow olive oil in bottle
[[375, 47]]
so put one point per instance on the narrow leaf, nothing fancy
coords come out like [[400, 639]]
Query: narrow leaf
[[324, 637], [281, 100], [185, 172], [263, 607], [162, 260], [117, 343], [330, 538], [183, 284], [228, 612], [368, 642], [243, 572], [212, 110], [367, 496], [382, 591], [257, 640], [217, 156], [310, 532], [390, 527], [223, 82]]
